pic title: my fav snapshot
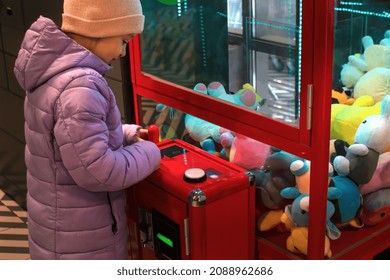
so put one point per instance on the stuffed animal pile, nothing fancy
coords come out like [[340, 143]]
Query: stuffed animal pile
[[359, 188], [237, 148], [363, 128], [366, 77], [343, 205], [369, 73], [367, 163], [359, 180]]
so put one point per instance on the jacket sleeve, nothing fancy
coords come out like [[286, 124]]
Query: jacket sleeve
[[130, 133], [91, 146]]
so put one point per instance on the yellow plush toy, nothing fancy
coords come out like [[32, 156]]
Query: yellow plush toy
[[345, 119], [298, 240]]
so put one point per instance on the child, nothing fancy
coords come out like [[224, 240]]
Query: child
[[79, 157]]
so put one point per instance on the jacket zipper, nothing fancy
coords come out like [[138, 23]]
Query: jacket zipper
[[114, 227]]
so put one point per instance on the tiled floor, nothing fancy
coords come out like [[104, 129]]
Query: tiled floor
[[13, 230]]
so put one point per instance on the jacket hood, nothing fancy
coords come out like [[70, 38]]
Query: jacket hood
[[46, 51]]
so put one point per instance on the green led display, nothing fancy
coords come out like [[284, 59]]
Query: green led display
[[165, 239]]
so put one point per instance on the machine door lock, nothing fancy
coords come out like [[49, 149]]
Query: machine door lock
[[146, 228]]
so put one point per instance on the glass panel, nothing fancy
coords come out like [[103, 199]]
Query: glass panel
[[361, 64], [185, 42], [273, 46], [353, 21], [202, 41], [169, 120], [174, 124], [235, 16]]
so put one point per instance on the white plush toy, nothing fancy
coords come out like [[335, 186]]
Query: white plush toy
[[369, 73], [372, 138]]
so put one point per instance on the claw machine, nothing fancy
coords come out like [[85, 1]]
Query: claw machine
[[197, 60]]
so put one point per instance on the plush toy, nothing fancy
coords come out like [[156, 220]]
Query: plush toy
[[381, 176], [246, 97], [241, 150], [376, 207], [371, 139], [341, 98], [351, 73], [375, 83], [270, 179], [345, 119], [348, 204], [298, 240], [369, 73], [298, 211], [247, 152], [348, 199], [296, 217], [248, 86], [337, 147], [199, 129], [206, 133], [301, 170]]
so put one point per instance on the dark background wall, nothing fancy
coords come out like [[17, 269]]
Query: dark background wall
[[15, 17]]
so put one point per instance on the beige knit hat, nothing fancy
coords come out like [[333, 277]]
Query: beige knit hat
[[101, 18]]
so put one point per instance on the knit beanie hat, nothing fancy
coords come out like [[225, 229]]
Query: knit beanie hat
[[101, 18]]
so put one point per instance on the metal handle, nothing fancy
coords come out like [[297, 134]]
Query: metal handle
[[309, 105]]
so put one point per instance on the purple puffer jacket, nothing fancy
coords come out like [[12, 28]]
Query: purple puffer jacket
[[77, 166]]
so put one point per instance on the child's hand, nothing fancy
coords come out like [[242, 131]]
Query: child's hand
[[142, 134]]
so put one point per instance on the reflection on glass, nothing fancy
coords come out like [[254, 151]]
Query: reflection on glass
[[273, 46], [224, 143], [169, 120], [353, 21], [185, 42], [202, 41], [361, 64], [235, 16]]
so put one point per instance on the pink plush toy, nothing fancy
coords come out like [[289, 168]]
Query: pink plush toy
[[381, 177], [248, 153], [376, 207]]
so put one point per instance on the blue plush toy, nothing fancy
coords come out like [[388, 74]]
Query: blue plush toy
[[342, 192], [296, 218], [298, 211], [349, 204]]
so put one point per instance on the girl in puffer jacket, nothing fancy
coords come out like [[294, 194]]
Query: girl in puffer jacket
[[79, 156]]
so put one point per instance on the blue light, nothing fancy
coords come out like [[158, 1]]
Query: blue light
[[290, 29], [179, 8], [203, 43], [384, 14], [351, 3]]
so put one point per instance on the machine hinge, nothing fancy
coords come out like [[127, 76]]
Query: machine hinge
[[187, 236], [251, 178], [309, 106], [197, 198]]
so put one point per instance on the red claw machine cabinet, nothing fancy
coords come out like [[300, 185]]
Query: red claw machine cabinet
[[290, 54], [194, 207]]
